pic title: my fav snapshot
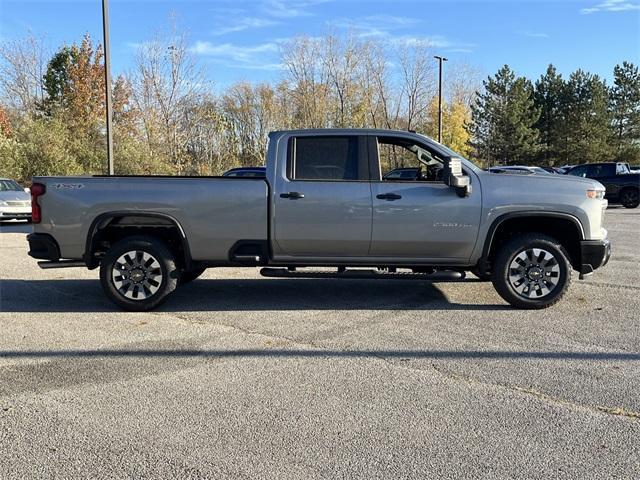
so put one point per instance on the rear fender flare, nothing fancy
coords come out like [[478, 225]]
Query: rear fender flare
[[103, 219]]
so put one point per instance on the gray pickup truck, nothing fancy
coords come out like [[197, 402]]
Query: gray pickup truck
[[327, 201]]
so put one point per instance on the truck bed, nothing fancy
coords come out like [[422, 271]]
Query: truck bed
[[200, 205]]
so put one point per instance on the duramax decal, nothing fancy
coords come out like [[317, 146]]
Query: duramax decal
[[452, 225], [68, 186]]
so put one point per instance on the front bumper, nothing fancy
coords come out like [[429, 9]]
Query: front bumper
[[43, 247], [594, 254]]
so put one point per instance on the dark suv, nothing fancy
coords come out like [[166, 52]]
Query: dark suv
[[621, 185]]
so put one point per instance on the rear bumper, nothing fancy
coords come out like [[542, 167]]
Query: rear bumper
[[43, 247], [16, 214], [594, 254]]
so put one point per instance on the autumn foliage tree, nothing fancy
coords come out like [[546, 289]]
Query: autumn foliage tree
[[168, 118], [5, 123]]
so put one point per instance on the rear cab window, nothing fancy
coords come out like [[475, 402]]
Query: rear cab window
[[622, 169], [327, 158]]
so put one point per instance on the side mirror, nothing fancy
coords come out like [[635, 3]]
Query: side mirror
[[454, 177], [27, 190]]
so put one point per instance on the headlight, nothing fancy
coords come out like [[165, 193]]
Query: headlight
[[598, 194], [3, 204]]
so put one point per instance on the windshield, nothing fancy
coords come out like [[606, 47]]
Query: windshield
[[10, 186]]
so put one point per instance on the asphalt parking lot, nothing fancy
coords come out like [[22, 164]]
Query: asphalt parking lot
[[238, 376]]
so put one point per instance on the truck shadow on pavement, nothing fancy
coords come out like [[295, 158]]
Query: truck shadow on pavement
[[321, 353], [15, 227], [239, 295]]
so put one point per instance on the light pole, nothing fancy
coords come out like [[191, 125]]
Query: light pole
[[107, 83], [440, 60]]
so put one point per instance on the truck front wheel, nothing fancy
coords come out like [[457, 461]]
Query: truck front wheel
[[188, 276], [531, 271], [137, 273]]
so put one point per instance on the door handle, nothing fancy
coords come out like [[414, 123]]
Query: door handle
[[292, 195], [389, 196]]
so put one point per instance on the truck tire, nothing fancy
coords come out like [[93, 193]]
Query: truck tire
[[629, 197], [531, 271], [187, 276], [137, 273]]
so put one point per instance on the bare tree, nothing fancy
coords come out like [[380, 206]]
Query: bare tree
[[166, 85], [381, 96], [417, 79], [207, 143], [23, 63], [343, 61], [307, 78], [463, 81], [252, 112]]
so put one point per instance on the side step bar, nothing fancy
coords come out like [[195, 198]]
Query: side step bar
[[61, 264], [441, 276]]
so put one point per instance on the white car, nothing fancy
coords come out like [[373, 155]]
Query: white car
[[15, 201]]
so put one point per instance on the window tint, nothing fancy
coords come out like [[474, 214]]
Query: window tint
[[326, 158], [596, 171], [404, 160], [396, 174], [579, 171]]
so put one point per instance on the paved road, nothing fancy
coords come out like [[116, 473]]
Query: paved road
[[242, 377]]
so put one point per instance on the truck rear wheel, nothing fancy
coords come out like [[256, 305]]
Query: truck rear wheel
[[531, 271], [630, 198], [137, 273]]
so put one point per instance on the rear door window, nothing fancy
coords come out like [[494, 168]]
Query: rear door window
[[594, 171], [335, 158]]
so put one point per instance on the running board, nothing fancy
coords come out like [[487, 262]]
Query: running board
[[441, 276], [61, 264]]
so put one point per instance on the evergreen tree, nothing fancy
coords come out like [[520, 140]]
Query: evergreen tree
[[56, 78], [586, 117], [625, 110], [503, 120], [548, 97]]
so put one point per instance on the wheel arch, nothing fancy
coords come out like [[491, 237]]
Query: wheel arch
[[564, 227], [627, 188], [135, 223]]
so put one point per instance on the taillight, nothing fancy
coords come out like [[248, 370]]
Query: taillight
[[37, 190]]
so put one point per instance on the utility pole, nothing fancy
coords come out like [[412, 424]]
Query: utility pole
[[440, 60], [107, 84]]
